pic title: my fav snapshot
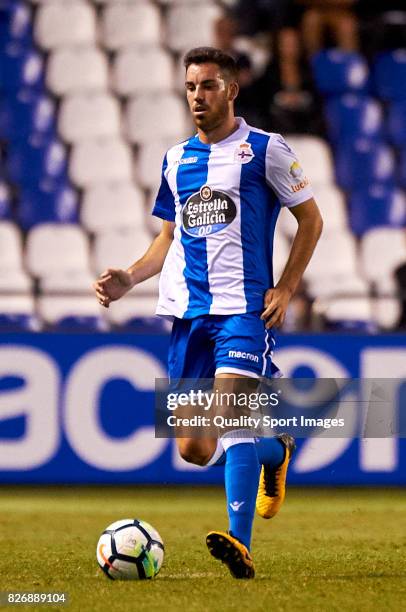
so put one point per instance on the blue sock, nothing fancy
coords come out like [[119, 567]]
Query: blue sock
[[271, 451], [241, 481]]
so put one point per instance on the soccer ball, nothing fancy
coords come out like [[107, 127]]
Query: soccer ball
[[130, 550]]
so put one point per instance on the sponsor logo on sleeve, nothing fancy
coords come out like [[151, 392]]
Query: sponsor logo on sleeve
[[296, 171]]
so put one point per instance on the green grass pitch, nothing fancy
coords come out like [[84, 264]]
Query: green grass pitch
[[327, 550]]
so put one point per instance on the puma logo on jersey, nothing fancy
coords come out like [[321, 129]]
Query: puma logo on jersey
[[235, 505]]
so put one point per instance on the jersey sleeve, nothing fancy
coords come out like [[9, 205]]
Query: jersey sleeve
[[284, 173], [164, 207]]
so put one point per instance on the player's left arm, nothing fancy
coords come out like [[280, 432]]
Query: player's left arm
[[310, 225]]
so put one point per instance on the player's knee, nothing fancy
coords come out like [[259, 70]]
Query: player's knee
[[193, 452]]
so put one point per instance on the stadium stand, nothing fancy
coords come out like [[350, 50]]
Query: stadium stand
[[86, 89]]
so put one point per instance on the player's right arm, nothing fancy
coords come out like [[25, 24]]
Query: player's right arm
[[114, 283]]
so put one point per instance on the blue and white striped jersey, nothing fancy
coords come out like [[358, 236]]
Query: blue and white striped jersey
[[224, 199]]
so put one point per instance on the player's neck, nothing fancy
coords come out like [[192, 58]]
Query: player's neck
[[220, 132]]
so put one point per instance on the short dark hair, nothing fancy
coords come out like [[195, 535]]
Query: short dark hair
[[210, 55]]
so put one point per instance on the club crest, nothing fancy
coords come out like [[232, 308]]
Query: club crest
[[244, 153]]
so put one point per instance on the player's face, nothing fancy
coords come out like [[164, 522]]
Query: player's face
[[208, 95]]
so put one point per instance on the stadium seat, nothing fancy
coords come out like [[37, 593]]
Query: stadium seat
[[53, 250], [17, 313], [331, 203], [333, 262], [64, 24], [382, 250], [315, 157], [20, 67], [72, 313], [347, 314], [131, 306], [102, 160], [37, 159], [5, 200], [15, 23], [397, 123], [119, 249], [386, 306], [149, 163], [47, 202], [130, 24], [13, 279], [142, 71], [337, 72], [26, 112], [390, 75], [402, 172], [376, 206], [353, 116], [281, 248], [87, 116], [77, 69], [361, 162], [147, 118], [112, 206], [189, 26]]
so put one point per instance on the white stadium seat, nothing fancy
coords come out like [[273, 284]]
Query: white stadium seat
[[77, 69], [344, 309], [89, 115], [53, 249], [142, 71], [17, 304], [54, 308], [191, 25], [281, 248], [149, 163], [13, 279], [315, 157], [382, 250], [119, 249], [150, 117], [64, 24], [101, 160], [334, 260], [130, 24], [112, 206], [131, 306]]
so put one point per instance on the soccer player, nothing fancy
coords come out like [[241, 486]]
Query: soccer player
[[219, 199]]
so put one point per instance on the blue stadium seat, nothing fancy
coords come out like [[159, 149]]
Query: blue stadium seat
[[402, 168], [37, 160], [361, 162], [145, 325], [47, 203], [17, 322], [397, 123], [376, 206], [390, 75], [20, 67], [15, 23], [337, 72], [26, 112], [5, 201], [352, 116], [76, 323]]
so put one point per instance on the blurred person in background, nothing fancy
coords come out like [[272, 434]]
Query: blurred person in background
[[333, 17], [286, 91]]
